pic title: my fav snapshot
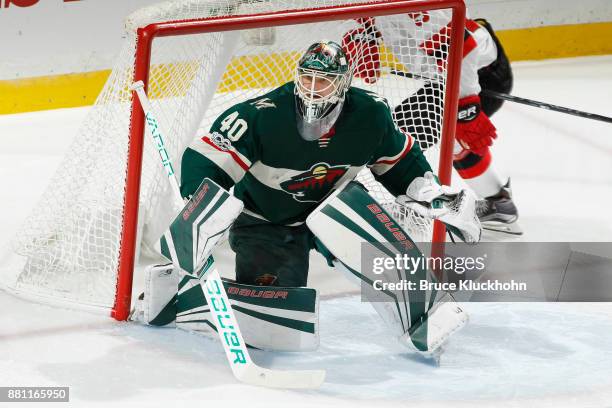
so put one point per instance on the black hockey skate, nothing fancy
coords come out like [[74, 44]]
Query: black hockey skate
[[498, 212]]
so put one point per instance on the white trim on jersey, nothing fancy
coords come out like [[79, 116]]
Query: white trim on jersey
[[234, 163], [386, 163]]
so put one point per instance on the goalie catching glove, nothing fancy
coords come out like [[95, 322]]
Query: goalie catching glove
[[454, 207]]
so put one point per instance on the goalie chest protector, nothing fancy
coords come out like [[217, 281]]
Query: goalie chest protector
[[278, 174]]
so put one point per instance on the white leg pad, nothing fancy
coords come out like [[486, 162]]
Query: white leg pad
[[158, 307], [444, 319]]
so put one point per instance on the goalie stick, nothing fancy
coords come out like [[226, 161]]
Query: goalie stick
[[243, 368]]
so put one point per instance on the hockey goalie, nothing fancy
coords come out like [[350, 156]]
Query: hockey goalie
[[291, 156]]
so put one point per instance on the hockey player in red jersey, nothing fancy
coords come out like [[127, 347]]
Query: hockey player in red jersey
[[484, 66]]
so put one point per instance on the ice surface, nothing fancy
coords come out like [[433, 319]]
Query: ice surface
[[520, 354], [509, 352]]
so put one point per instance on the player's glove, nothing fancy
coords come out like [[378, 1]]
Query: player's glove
[[474, 129], [362, 49], [454, 207]]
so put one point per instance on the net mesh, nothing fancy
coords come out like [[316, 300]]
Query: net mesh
[[68, 248]]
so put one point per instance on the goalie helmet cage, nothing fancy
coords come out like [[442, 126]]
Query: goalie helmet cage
[[197, 58]]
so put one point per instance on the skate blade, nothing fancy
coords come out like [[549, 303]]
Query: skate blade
[[512, 228]]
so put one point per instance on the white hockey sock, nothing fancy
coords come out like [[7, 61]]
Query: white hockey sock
[[488, 183]]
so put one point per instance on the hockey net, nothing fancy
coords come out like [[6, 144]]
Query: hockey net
[[82, 240]]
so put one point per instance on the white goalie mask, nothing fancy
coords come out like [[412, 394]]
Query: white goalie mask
[[322, 78]]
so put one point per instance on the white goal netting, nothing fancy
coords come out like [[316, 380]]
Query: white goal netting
[[68, 248]]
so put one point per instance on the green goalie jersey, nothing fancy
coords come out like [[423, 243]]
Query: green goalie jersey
[[255, 146]]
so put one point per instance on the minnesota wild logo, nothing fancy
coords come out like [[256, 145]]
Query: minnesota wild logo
[[314, 184]]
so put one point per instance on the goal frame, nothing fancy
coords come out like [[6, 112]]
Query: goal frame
[[145, 37]]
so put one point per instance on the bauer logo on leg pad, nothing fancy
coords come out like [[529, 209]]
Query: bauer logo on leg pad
[[270, 317], [200, 226], [361, 219]]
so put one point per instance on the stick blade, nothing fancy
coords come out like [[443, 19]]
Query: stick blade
[[296, 379]]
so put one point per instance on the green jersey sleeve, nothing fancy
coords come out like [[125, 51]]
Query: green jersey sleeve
[[398, 159], [225, 153]]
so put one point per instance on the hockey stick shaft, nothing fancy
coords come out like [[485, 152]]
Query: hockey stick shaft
[[547, 106], [517, 99], [158, 139], [224, 319]]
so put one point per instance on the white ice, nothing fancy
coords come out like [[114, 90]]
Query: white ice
[[509, 355]]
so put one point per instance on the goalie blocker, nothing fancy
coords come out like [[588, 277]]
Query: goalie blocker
[[286, 319]]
